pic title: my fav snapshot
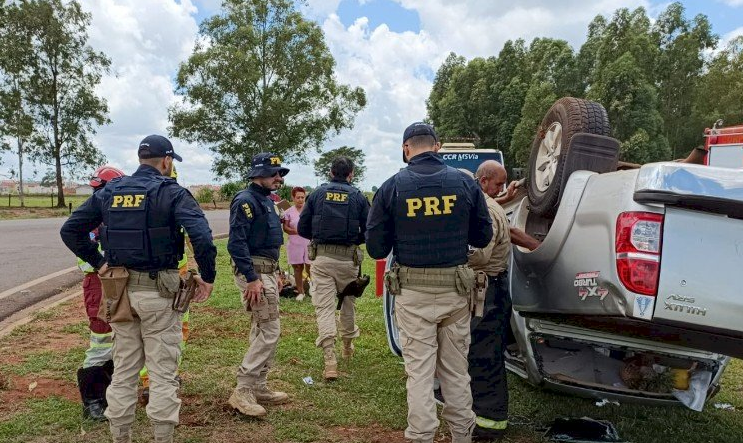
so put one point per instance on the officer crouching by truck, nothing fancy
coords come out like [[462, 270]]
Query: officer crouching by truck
[[141, 237], [489, 329], [427, 214]]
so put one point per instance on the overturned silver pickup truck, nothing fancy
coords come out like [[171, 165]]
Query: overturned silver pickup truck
[[634, 292]]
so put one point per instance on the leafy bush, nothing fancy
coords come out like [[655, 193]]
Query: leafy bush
[[228, 190], [205, 195]]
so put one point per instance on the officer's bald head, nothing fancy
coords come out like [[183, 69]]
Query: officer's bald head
[[491, 176]]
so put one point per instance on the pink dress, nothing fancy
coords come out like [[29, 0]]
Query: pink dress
[[296, 249]]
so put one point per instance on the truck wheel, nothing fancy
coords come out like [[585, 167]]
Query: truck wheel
[[567, 117]]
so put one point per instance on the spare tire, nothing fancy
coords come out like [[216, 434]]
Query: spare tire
[[567, 117]]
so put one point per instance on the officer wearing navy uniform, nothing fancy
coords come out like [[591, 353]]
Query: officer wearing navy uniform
[[255, 239], [427, 214], [334, 218], [141, 237]]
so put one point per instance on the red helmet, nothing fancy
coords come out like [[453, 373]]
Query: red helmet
[[103, 175]]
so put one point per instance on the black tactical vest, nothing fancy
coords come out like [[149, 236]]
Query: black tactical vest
[[336, 219], [139, 230], [431, 218], [265, 231]]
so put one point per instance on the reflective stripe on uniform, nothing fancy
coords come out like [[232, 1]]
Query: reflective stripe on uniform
[[491, 424], [100, 349], [184, 260]]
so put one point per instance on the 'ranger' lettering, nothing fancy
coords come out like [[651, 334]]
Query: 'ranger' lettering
[[432, 205], [127, 201]]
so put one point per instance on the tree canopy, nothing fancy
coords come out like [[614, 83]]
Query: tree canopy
[[656, 80], [357, 156], [261, 78], [53, 74]]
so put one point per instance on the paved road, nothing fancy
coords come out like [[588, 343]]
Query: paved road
[[32, 248]]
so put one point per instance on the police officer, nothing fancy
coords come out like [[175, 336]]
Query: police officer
[[426, 215], [255, 239], [142, 216], [184, 264], [334, 218]]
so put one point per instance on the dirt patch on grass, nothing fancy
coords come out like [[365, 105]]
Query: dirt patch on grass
[[46, 334], [21, 389], [373, 434]]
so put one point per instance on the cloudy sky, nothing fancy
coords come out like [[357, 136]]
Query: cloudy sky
[[391, 48]]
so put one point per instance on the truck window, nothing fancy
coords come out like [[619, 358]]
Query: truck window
[[469, 160]]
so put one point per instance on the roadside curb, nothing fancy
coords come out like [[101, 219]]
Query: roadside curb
[[26, 315]]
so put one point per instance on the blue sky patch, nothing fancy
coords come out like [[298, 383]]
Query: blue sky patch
[[388, 12]]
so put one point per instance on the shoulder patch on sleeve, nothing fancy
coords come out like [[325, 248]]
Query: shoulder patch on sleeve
[[247, 210]]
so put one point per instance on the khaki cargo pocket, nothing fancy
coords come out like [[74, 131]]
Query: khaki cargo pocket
[[266, 310], [168, 283]]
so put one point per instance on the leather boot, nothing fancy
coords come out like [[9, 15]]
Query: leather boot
[[347, 348], [243, 399], [265, 396], [163, 432], [93, 382], [331, 364]]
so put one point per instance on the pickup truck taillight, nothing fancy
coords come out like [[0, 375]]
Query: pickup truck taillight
[[638, 247]]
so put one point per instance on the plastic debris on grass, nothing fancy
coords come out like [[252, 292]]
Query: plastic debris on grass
[[308, 380], [605, 401], [724, 406]]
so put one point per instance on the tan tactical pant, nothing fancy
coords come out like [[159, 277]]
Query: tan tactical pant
[[329, 276], [429, 349], [265, 329], [152, 339]]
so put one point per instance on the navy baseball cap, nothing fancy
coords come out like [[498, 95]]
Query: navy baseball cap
[[266, 164], [156, 146], [418, 128]]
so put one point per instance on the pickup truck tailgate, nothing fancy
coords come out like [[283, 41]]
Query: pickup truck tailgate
[[701, 277]]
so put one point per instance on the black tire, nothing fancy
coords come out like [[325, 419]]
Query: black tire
[[573, 115]]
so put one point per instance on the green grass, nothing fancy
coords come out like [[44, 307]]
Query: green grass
[[367, 403], [40, 201]]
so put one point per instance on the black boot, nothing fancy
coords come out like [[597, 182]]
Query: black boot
[[93, 382]]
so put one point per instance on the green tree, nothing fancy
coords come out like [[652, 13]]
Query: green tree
[[721, 88], [260, 78], [539, 98], [623, 81], [441, 83], [63, 100], [682, 44], [16, 61], [357, 156]]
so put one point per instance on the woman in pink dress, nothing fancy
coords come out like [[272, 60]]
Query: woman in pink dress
[[296, 249]]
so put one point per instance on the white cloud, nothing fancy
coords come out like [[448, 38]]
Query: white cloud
[[733, 3], [730, 36], [146, 40], [392, 66]]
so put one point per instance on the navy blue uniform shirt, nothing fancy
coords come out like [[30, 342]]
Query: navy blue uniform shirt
[[186, 213], [359, 208], [242, 221], [381, 235]]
